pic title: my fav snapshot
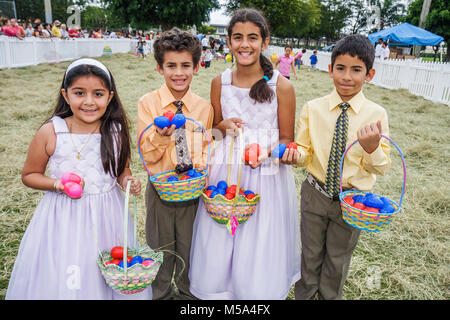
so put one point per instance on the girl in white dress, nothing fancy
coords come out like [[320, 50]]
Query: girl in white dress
[[262, 259], [87, 135]]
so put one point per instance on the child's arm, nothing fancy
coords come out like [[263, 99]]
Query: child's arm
[[227, 126], [376, 156], [41, 148], [126, 175], [302, 138]]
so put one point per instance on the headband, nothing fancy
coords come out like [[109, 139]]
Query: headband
[[90, 62]]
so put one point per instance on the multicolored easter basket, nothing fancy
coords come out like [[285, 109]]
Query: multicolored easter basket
[[134, 279], [177, 191], [364, 220], [231, 212]]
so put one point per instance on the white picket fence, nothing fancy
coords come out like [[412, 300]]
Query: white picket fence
[[16, 53], [430, 80]]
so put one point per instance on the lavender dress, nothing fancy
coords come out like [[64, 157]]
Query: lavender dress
[[58, 252], [262, 260]]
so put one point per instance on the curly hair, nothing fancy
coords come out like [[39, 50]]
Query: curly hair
[[177, 40]]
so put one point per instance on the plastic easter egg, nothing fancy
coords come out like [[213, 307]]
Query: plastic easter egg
[[172, 179], [222, 184], [169, 115], [231, 190], [229, 196], [358, 198], [162, 122], [385, 201], [208, 193], [191, 172], [117, 252], [73, 189], [228, 57], [147, 262], [70, 176], [213, 194], [221, 191], [359, 205], [121, 264], [387, 209], [250, 196], [370, 209], [178, 120], [292, 145], [211, 188], [115, 261], [349, 201], [137, 259], [373, 202], [252, 152], [248, 192], [202, 63], [278, 151], [184, 178], [274, 57]]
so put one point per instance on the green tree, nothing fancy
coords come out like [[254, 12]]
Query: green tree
[[335, 15], [287, 18], [205, 29], [167, 14], [438, 19], [35, 9], [390, 12]]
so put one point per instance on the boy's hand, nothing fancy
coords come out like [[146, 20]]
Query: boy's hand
[[290, 156], [167, 131], [135, 187], [369, 136]]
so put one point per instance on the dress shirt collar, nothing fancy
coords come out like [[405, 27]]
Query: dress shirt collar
[[355, 103], [167, 98]]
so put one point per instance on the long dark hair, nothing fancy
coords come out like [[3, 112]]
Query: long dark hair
[[114, 123], [260, 91]]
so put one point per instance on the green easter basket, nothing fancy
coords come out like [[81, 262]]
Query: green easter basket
[[362, 219], [134, 279], [239, 209], [177, 191]]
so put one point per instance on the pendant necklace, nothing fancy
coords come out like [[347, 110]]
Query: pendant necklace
[[84, 145]]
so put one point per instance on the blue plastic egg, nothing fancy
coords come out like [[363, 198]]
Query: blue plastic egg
[[387, 209], [385, 201], [213, 188], [221, 191], [373, 202], [121, 264], [278, 151], [178, 120], [222, 185], [191, 173], [214, 193], [248, 192], [358, 198], [171, 179], [137, 259], [162, 122]]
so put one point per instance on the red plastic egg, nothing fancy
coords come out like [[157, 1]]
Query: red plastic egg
[[292, 145], [359, 205], [252, 152], [169, 114], [115, 261], [117, 252], [208, 193], [375, 210], [229, 196], [250, 196], [349, 200]]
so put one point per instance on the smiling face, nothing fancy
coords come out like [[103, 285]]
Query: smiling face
[[88, 98], [246, 43], [287, 51], [178, 69], [349, 74]]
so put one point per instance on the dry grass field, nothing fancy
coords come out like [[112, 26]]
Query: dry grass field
[[409, 260]]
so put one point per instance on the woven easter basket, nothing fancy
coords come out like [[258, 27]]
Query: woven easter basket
[[221, 209], [365, 220], [177, 191], [134, 279]]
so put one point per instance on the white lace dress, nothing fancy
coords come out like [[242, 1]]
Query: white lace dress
[[262, 260], [58, 252]]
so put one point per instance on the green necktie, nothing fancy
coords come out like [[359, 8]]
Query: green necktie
[[183, 156], [337, 150]]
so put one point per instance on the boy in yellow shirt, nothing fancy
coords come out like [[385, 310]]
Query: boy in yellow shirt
[[328, 125], [170, 224]]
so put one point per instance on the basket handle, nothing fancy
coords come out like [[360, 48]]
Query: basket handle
[[230, 158], [401, 155], [204, 131]]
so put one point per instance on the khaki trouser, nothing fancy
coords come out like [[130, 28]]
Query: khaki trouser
[[170, 223], [327, 246]]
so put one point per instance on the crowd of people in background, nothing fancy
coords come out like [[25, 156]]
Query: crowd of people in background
[[38, 29]]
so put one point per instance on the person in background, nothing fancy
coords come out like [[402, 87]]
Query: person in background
[[47, 30], [29, 30], [379, 48], [74, 32], [313, 59], [64, 32], [56, 31], [38, 31], [385, 51], [208, 58], [11, 29]]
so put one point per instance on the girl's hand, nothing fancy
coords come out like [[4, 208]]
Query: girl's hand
[[369, 136], [135, 187], [59, 187], [231, 126], [167, 131], [263, 155]]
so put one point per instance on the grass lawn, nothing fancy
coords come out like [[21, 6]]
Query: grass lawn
[[409, 260]]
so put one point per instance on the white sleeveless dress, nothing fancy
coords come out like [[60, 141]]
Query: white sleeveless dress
[[262, 260], [58, 252]]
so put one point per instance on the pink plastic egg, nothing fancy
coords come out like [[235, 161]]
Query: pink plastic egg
[[70, 176], [146, 263], [73, 189]]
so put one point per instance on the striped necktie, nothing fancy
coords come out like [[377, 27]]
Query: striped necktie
[[337, 150], [183, 155]]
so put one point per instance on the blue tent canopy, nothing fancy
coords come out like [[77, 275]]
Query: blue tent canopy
[[408, 34]]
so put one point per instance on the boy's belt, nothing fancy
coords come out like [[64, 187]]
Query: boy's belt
[[319, 186]]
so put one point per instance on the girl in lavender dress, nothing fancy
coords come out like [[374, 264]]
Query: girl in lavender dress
[[87, 135], [262, 259]]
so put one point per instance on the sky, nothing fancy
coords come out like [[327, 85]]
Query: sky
[[218, 16]]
